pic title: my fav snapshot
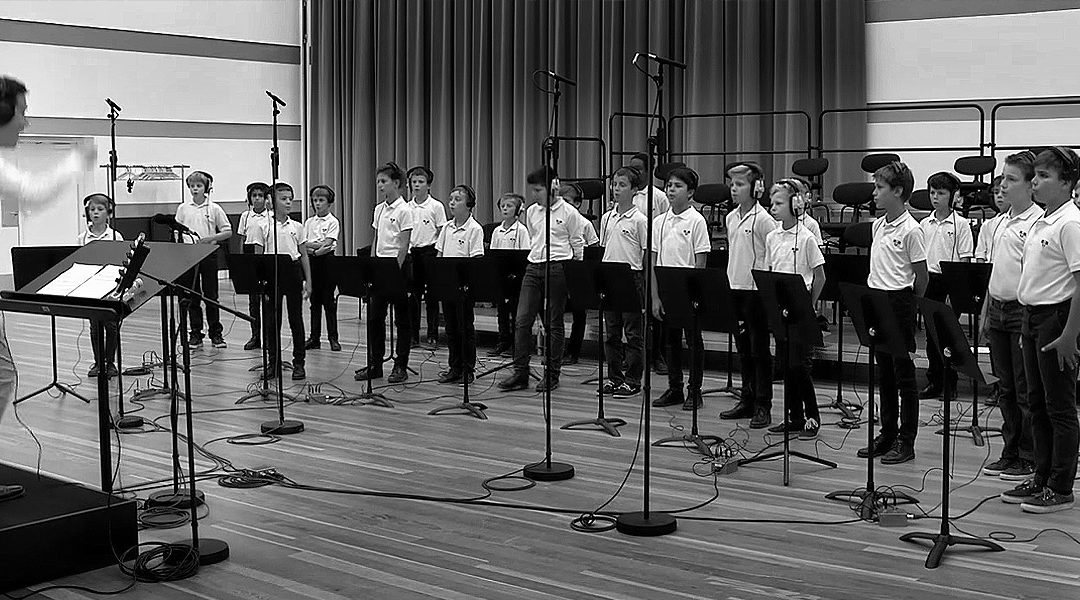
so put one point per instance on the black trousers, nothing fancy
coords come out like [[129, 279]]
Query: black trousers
[[112, 339], [675, 354], [507, 309], [530, 304], [376, 326], [420, 258], [577, 333], [752, 344], [206, 283], [898, 396], [460, 335], [625, 360], [800, 397], [935, 370], [292, 297], [322, 298], [255, 312], [1051, 397], [1004, 324]]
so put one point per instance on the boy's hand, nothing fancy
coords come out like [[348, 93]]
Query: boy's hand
[[1066, 352], [658, 308]]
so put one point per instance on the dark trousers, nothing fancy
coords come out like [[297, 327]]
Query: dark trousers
[[292, 296], [674, 357], [507, 309], [625, 359], [460, 336], [254, 312], [206, 283], [898, 396], [1051, 398], [1004, 324], [752, 343], [420, 259], [322, 298], [112, 339], [530, 304], [659, 339], [577, 333], [376, 327], [937, 290], [800, 397]]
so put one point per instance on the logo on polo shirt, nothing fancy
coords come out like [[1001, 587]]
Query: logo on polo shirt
[[426, 221], [686, 232], [558, 221], [1022, 234], [1044, 243], [628, 233], [898, 243]]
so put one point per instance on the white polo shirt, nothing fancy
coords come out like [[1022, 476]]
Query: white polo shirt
[[290, 236], [947, 239], [317, 229], [566, 225], [514, 237], [746, 245], [390, 220], [1006, 250], [812, 225], [109, 234], [896, 247], [678, 238], [794, 251], [248, 224], [661, 204], [1051, 255], [587, 237], [463, 241], [430, 217], [623, 236], [205, 219], [987, 231]]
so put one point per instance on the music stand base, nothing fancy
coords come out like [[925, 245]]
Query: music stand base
[[372, 399], [606, 425], [475, 409], [942, 541], [128, 422], [179, 499], [699, 443], [869, 500], [641, 524], [792, 454], [545, 471], [211, 551], [977, 433], [266, 396], [727, 389], [282, 427], [849, 411]]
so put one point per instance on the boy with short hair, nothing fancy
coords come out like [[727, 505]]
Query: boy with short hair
[[898, 267], [661, 204], [462, 237], [511, 234], [285, 236], [98, 209], [430, 217], [321, 232], [680, 239], [1049, 290], [393, 223], [257, 195], [747, 228], [210, 225], [948, 238]]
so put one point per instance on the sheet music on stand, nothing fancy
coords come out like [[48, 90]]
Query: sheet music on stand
[[83, 281]]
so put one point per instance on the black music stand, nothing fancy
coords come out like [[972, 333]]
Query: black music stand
[[876, 326], [255, 274], [510, 265], [366, 277], [793, 321], [718, 260], [966, 283], [945, 330], [27, 263], [843, 268], [461, 281], [694, 299], [601, 286]]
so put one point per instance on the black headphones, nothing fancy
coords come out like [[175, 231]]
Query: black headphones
[[635, 176], [470, 195], [325, 188], [1069, 162], [954, 196], [110, 206], [209, 179], [517, 199], [7, 105], [423, 170]]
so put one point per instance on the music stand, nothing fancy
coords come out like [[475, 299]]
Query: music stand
[[944, 329], [693, 299], [592, 254], [462, 281], [877, 329], [601, 286], [966, 284], [366, 277], [793, 322], [510, 265], [717, 259], [843, 268]]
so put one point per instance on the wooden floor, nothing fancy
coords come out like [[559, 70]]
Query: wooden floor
[[288, 543]]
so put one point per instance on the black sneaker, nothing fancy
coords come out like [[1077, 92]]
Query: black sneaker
[[761, 419], [881, 446], [252, 344], [298, 372], [450, 376], [625, 390], [995, 468], [608, 388], [312, 344], [93, 372], [742, 410], [515, 382], [1027, 490], [670, 397], [497, 351], [1048, 501], [693, 400], [901, 452], [218, 342], [809, 430], [110, 370], [397, 375], [335, 346], [660, 366], [367, 373], [548, 384], [787, 426], [1019, 471], [930, 391], [195, 341]]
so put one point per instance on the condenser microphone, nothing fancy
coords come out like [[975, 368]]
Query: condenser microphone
[[171, 222], [557, 77], [659, 59]]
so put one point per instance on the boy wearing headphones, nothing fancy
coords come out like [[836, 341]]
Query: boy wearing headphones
[[511, 234], [792, 248], [98, 209], [747, 228], [321, 232], [209, 225], [948, 238], [898, 267], [1049, 291], [661, 204], [257, 195], [462, 237], [429, 220]]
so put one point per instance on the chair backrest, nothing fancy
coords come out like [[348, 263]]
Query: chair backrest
[[920, 200], [489, 228], [975, 166], [858, 193], [873, 162], [713, 194], [591, 189], [860, 235], [810, 167], [661, 172]]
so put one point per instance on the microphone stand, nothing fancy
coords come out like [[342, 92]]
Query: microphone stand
[[646, 523]]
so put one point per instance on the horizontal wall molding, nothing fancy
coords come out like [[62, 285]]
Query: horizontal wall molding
[[78, 36], [878, 11], [1010, 113], [161, 129]]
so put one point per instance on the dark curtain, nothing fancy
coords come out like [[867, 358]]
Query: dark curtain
[[448, 84]]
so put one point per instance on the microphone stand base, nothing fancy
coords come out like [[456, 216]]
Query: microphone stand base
[[646, 524], [283, 427], [128, 422], [544, 471], [211, 551], [180, 499]]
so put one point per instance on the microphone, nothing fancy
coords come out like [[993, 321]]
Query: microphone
[[113, 105], [660, 59], [557, 77], [171, 222], [279, 100]]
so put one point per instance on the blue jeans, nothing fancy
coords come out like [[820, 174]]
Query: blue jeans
[[1004, 323], [530, 304]]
